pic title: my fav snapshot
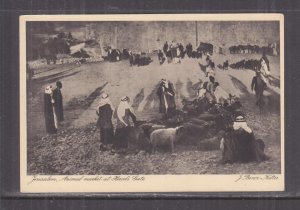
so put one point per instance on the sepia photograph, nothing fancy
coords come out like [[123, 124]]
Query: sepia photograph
[[152, 100]]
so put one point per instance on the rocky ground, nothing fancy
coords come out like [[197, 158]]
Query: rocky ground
[[75, 149]]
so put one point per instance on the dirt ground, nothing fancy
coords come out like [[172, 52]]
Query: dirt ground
[[75, 149]]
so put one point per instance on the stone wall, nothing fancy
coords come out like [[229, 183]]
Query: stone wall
[[144, 36]]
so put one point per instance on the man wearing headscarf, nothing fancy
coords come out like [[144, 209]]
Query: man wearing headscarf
[[49, 113], [258, 85], [166, 94], [123, 114], [58, 102], [104, 122], [165, 48], [210, 89], [239, 144]]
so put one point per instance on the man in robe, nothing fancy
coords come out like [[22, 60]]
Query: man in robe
[[258, 85], [125, 120], [161, 57], [49, 113], [210, 89], [239, 144], [166, 94], [58, 102], [189, 50], [165, 48], [104, 122]]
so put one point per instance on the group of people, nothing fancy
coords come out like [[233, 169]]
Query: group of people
[[118, 137], [125, 120], [210, 88], [53, 107], [174, 53]]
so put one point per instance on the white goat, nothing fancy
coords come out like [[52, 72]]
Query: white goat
[[164, 137]]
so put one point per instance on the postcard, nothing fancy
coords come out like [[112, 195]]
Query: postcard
[[152, 103]]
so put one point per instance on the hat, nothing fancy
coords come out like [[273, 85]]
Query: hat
[[240, 119], [124, 98], [104, 95]]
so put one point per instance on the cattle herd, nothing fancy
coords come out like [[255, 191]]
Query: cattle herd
[[252, 64], [172, 53], [198, 120], [250, 49]]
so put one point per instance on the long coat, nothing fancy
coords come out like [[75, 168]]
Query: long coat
[[258, 85], [104, 123], [122, 130], [49, 114], [104, 116], [58, 104], [166, 98], [240, 146]]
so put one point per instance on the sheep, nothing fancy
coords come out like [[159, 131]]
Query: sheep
[[164, 137]]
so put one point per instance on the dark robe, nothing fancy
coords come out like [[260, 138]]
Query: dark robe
[[49, 114], [164, 98], [165, 48], [240, 146], [258, 85], [169, 56], [122, 131], [189, 50], [173, 52], [161, 57], [58, 104], [104, 123]]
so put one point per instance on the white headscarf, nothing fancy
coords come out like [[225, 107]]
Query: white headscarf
[[48, 89], [122, 109], [243, 125], [105, 100]]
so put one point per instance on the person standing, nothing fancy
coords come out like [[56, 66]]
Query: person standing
[[210, 89], [265, 69], [58, 102], [166, 94], [49, 113], [258, 86], [161, 57], [104, 122], [124, 112], [165, 48]]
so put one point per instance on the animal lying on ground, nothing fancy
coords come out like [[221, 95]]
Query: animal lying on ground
[[167, 136]]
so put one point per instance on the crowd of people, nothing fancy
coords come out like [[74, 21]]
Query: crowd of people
[[117, 138], [174, 52]]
